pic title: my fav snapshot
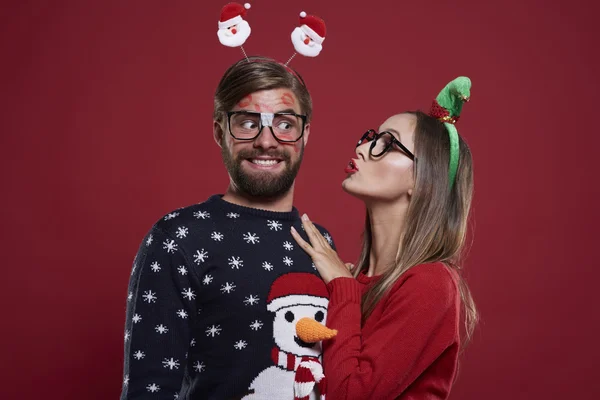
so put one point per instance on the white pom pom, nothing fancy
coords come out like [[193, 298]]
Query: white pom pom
[[302, 14], [247, 6]]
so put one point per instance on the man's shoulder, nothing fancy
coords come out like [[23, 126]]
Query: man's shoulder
[[181, 218]]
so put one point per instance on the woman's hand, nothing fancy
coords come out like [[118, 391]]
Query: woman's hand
[[328, 263]]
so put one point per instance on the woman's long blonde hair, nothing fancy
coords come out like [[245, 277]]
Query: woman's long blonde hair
[[436, 221]]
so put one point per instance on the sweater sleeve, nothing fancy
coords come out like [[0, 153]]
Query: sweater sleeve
[[161, 311], [416, 326]]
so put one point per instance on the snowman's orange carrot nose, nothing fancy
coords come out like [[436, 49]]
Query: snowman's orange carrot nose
[[310, 331]]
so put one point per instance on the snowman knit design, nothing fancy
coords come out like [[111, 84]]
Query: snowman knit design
[[197, 323]]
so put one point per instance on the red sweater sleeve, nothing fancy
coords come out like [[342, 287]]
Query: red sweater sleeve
[[416, 325]]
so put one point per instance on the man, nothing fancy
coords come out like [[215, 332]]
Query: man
[[199, 324]]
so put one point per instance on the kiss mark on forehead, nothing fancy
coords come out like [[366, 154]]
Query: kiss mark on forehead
[[288, 99], [245, 102]]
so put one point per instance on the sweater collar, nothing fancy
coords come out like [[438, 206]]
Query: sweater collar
[[226, 206]]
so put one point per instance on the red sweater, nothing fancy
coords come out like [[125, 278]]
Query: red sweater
[[407, 348]]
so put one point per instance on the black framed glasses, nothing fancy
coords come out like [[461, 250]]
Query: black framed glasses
[[383, 142], [286, 127]]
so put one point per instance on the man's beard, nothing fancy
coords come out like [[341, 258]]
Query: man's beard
[[261, 183]]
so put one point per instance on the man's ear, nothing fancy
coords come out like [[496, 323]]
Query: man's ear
[[306, 133], [217, 133]]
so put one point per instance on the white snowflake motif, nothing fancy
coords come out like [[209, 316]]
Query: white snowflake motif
[[176, 396], [171, 363], [150, 296], [161, 329], [138, 355], [170, 246], [127, 335], [313, 265], [200, 256], [149, 240], [130, 296], [182, 232], [274, 225], [136, 318], [171, 216], [207, 279], [126, 380], [287, 261], [256, 325], [251, 300], [182, 314], [267, 266], [133, 269], [188, 294], [217, 236], [213, 330], [193, 343], [235, 262], [328, 237], [240, 344], [153, 388], [199, 367], [202, 214], [155, 266], [227, 287], [251, 238], [288, 246], [182, 270], [233, 215]]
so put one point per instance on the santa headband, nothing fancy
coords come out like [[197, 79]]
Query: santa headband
[[447, 107], [234, 30]]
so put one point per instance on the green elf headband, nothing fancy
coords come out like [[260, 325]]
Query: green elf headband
[[447, 107]]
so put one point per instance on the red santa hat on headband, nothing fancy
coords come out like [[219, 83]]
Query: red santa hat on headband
[[313, 26], [232, 14]]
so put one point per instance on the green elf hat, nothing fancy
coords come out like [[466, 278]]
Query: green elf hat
[[447, 107]]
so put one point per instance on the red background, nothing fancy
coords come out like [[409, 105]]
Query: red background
[[106, 125]]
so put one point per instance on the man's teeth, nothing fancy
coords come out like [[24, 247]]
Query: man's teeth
[[265, 162]]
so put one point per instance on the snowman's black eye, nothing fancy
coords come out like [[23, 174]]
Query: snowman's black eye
[[289, 316], [319, 316]]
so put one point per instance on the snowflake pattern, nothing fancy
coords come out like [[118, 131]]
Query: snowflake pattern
[[327, 236], [207, 279], [153, 388], [171, 216], [161, 329], [202, 214], [287, 261], [138, 355], [213, 330], [235, 262], [251, 300], [199, 367], [150, 296], [200, 256], [171, 363], [126, 380], [227, 287], [232, 215], [182, 270], [188, 294], [217, 236], [182, 314], [182, 232], [288, 246], [256, 325], [274, 225], [240, 344], [136, 318], [170, 246], [251, 238], [192, 342], [130, 296], [127, 335], [149, 240], [267, 266], [155, 266]]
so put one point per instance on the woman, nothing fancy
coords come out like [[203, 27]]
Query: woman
[[397, 315]]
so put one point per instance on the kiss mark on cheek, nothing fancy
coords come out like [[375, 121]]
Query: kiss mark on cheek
[[245, 102], [288, 99]]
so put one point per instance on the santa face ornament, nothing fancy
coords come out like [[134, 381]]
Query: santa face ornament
[[309, 36], [234, 30]]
